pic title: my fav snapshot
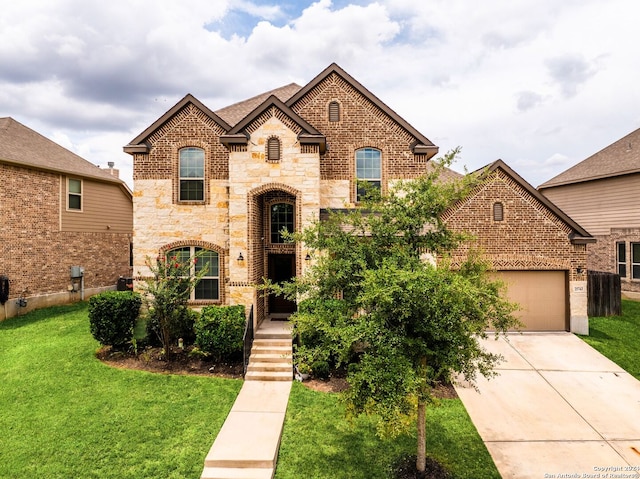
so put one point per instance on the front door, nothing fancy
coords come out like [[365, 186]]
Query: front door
[[282, 267]]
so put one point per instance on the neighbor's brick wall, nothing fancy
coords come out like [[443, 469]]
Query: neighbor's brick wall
[[603, 254], [529, 238], [35, 254]]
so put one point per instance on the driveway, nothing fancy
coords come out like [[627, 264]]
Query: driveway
[[558, 409]]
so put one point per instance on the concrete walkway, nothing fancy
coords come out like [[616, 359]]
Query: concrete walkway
[[557, 409], [247, 445]]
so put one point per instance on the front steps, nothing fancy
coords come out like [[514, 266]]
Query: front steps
[[271, 354], [247, 445]]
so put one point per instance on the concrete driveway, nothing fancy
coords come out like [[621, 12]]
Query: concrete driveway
[[558, 409]]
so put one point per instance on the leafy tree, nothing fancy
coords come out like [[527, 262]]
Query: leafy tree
[[167, 293], [377, 301]]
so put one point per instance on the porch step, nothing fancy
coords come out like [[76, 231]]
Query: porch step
[[237, 473], [272, 357], [260, 366], [268, 375], [279, 342]]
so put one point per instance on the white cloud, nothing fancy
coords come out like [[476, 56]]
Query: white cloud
[[530, 81]]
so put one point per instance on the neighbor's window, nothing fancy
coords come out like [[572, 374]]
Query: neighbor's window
[[334, 111], [635, 260], [191, 174], [281, 219], [498, 211], [368, 170], [209, 285], [621, 254], [75, 194], [273, 149]]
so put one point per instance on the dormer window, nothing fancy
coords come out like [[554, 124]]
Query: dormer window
[[334, 111], [273, 149]]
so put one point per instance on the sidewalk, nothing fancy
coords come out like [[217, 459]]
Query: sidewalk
[[557, 409]]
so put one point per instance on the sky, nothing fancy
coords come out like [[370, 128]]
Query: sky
[[540, 84]]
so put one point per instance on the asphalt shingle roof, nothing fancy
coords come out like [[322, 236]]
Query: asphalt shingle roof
[[619, 158], [23, 146], [232, 114]]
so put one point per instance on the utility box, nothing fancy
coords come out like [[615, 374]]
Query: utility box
[[77, 271], [125, 284]]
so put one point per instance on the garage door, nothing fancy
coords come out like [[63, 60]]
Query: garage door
[[542, 296]]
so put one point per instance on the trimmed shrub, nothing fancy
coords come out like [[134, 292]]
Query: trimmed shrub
[[112, 316], [219, 331], [320, 369], [182, 327]]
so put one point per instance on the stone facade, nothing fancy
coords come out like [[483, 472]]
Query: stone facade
[[314, 169], [37, 256]]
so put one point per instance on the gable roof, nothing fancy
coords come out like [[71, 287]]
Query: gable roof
[[619, 158], [579, 235], [232, 114], [308, 135], [139, 145], [422, 145], [22, 146]]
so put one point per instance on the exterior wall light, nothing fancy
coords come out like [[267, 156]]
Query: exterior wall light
[[240, 257], [308, 257]]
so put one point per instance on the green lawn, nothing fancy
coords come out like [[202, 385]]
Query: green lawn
[[319, 443], [617, 337], [64, 414]]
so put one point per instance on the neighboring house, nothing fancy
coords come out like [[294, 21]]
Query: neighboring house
[[227, 182], [602, 193], [536, 248], [58, 211]]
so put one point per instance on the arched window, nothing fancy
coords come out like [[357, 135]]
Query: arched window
[[498, 211], [334, 111], [273, 149], [368, 170], [191, 174], [281, 219], [209, 286]]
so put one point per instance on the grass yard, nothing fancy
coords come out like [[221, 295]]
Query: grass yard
[[319, 443], [617, 337], [66, 415]]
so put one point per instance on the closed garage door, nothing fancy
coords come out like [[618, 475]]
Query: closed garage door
[[542, 296]]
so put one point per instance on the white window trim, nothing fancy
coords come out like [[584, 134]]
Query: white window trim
[[192, 270], [202, 178], [631, 276], [618, 262], [81, 195], [379, 179]]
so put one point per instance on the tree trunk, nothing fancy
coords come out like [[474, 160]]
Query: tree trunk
[[421, 461]]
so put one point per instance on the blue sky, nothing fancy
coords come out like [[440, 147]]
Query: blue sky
[[540, 84]]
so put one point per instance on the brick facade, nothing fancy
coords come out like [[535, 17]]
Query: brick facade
[[603, 255], [37, 256], [242, 182]]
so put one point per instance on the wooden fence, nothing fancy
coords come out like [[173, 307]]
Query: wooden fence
[[605, 296]]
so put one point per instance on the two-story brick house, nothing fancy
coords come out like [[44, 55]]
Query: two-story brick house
[[229, 181], [57, 210]]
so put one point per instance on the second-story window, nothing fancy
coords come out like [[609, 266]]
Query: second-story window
[[368, 170], [191, 174], [75, 194]]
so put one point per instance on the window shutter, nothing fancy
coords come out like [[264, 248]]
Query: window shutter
[[334, 111], [273, 149]]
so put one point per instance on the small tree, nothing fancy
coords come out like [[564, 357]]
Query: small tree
[[167, 293], [404, 321]]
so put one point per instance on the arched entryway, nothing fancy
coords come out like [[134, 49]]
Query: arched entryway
[[273, 209]]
